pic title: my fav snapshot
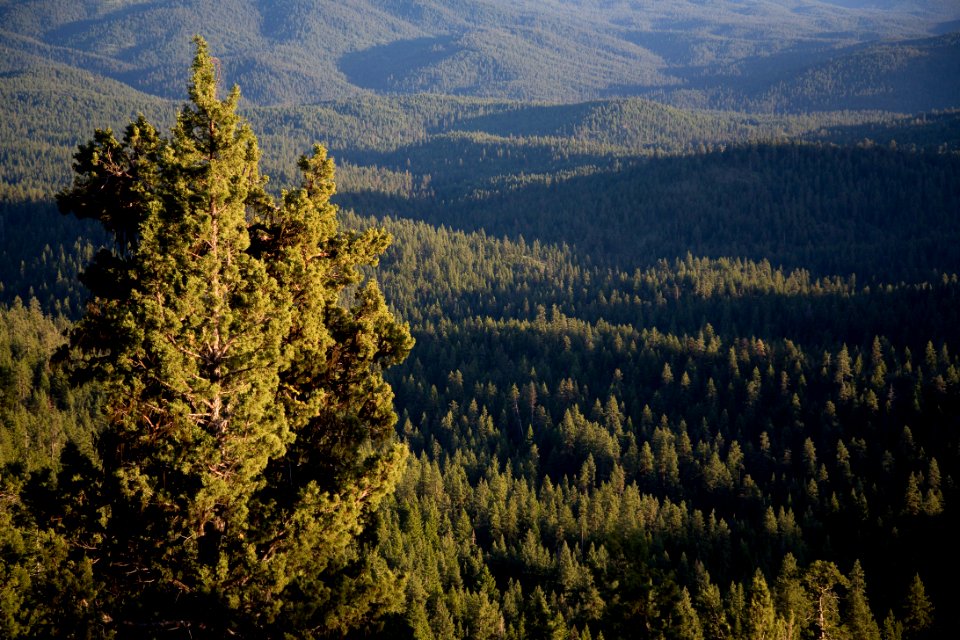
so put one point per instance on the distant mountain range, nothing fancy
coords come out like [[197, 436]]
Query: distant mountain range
[[751, 55]]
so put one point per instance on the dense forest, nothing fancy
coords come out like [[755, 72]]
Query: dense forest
[[760, 55], [678, 372]]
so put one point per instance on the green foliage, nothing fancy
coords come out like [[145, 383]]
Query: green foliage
[[532, 413], [894, 76], [39, 411], [918, 611], [533, 427], [649, 397], [865, 206], [860, 622], [248, 436], [761, 616]]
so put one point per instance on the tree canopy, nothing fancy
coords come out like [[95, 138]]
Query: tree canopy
[[689, 376], [247, 433]]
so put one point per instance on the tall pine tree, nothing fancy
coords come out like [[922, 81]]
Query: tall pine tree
[[248, 431], [859, 619]]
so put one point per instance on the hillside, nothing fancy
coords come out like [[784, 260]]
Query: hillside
[[601, 176], [681, 371], [557, 51], [48, 107], [581, 434], [908, 76]]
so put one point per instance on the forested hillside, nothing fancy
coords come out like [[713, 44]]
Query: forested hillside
[[679, 373], [663, 433], [657, 449], [725, 54], [691, 436]]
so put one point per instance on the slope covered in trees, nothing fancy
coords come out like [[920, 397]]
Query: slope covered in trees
[[612, 451], [907, 76], [903, 75], [698, 53], [47, 108], [587, 440], [513, 168], [678, 374]]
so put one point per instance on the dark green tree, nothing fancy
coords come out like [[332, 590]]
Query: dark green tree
[[761, 616], [821, 580], [859, 619], [792, 602], [687, 622], [918, 610], [248, 428], [713, 619]]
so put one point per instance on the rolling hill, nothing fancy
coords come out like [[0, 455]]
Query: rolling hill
[[677, 369], [296, 52]]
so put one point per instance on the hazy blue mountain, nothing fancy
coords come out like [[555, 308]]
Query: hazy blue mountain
[[295, 51], [903, 75]]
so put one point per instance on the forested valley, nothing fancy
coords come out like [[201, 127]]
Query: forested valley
[[685, 362]]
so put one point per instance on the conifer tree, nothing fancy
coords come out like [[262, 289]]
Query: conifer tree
[[918, 610], [892, 628], [687, 622], [821, 580], [709, 602], [792, 602], [248, 428], [761, 616], [860, 621]]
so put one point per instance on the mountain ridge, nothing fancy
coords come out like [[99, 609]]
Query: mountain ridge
[[296, 52]]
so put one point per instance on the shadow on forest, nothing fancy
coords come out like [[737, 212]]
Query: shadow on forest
[[907, 315], [754, 202], [390, 66], [874, 212], [934, 130]]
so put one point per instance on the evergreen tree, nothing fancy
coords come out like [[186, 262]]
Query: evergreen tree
[[892, 628], [792, 601], [821, 580], [736, 608], [248, 434], [710, 604], [859, 619], [761, 617], [913, 500], [918, 611], [688, 623]]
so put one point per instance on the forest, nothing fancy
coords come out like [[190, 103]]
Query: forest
[[676, 363]]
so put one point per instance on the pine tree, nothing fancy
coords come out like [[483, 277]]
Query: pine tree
[[792, 600], [913, 499], [687, 622], [918, 611], [709, 602], [892, 628], [933, 498], [761, 616], [821, 580], [859, 619], [248, 434], [736, 608]]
